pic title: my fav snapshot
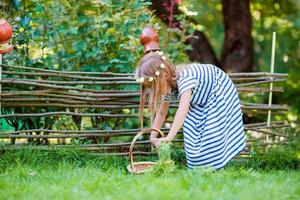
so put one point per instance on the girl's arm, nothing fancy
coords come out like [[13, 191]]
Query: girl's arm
[[183, 109], [159, 120]]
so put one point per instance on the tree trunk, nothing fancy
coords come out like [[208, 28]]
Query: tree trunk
[[201, 51], [237, 52]]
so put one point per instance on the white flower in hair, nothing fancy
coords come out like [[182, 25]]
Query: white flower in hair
[[162, 65], [151, 79], [164, 58], [157, 73], [140, 80], [159, 53]]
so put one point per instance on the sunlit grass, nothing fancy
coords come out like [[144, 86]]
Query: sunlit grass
[[75, 175], [71, 182]]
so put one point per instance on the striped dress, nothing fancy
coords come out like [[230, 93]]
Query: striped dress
[[213, 129]]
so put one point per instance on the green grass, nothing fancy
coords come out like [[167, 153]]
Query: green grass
[[28, 174]]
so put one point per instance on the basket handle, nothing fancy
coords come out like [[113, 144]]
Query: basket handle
[[134, 140]]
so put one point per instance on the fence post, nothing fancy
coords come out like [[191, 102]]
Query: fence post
[[5, 47], [271, 83]]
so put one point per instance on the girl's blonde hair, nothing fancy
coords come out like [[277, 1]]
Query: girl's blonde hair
[[157, 73]]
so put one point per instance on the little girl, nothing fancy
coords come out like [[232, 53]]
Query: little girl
[[209, 108]]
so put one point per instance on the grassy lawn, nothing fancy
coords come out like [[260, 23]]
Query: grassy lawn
[[75, 175]]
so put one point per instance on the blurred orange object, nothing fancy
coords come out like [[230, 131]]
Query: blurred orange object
[[149, 38], [6, 33]]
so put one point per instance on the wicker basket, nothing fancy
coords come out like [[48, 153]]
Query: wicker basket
[[140, 167]]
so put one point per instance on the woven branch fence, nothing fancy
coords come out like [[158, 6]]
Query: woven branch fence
[[29, 95]]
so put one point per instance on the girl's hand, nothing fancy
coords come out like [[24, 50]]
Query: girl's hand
[[153, 140], [161, 140], [158, 142]]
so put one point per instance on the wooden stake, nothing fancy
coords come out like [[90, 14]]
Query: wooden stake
[[271, 84]]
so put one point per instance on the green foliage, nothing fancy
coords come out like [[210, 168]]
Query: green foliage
[[79, 35], [279, 157], [165, 165], [276, 158], [172, 40], [178, 155], [282, 17], [209, 20], [2, 9], [164, 151], [65, 123]]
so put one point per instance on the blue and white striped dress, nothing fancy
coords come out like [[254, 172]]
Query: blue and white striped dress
[[213, 129]]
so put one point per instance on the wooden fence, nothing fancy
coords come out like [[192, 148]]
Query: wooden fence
[[31, 95]]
